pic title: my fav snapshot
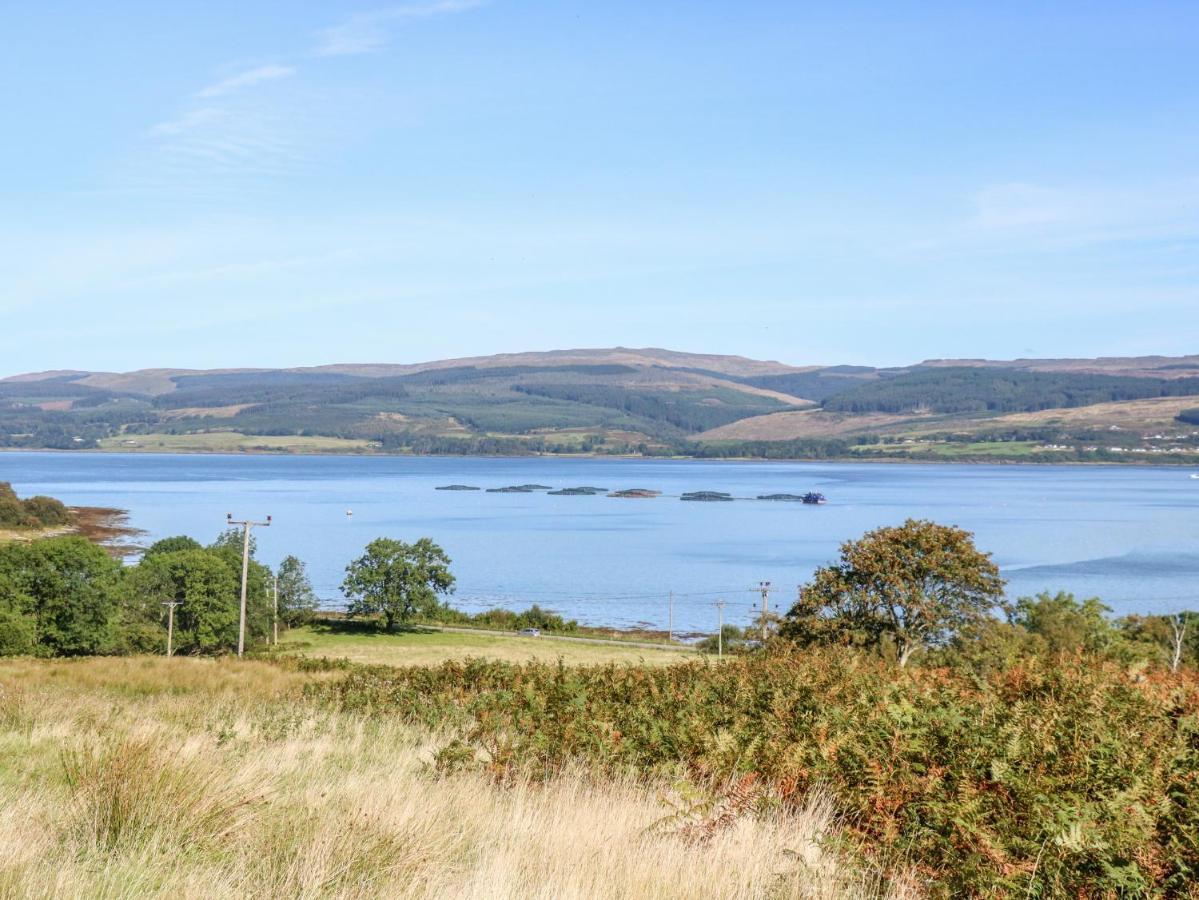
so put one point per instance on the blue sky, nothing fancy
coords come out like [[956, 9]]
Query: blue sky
[[274, 184]]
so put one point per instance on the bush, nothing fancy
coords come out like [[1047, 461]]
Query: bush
[[1051, 777], [18, 634], [35, 512]]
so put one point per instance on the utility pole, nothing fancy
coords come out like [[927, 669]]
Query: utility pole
[[246, 525], [764, 587], [720, 629], [670, 620], [276, 617], [170, 605]]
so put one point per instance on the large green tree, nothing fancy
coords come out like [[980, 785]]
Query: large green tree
[[205, 585], [909, 586], [67, 587], [397, 580]]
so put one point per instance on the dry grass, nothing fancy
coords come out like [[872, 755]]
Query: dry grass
[[199, 778]]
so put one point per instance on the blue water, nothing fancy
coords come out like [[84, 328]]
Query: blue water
[[1128, 535]]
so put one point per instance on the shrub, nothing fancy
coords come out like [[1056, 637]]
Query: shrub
[[34, 512], [1049, 777]]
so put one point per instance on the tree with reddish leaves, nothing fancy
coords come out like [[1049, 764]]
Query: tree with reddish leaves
[[908, 586]]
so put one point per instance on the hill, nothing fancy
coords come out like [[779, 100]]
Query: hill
[[621, 400]]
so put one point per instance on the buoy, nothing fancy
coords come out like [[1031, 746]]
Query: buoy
[[349, 512]]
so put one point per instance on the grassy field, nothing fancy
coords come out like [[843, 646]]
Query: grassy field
[[428, 647], [232, 441], [189, 778], [957, 450]]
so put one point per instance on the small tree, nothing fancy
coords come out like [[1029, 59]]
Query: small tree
[[1178, 634], [297, 599], [914, 585], [397, 580]]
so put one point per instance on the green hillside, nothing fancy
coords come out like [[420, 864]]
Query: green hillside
[[621, 401]]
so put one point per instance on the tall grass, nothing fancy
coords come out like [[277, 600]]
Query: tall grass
[[199, 778]]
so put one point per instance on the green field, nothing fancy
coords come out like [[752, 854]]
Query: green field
[[426, 646], [957, 450], [233, 441]]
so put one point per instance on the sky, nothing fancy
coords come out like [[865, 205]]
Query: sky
[[223, 184]]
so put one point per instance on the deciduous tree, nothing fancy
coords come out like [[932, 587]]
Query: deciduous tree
[[914, 585], [397, 580]]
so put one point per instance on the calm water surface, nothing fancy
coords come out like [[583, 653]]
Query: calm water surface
[[1127, 535]]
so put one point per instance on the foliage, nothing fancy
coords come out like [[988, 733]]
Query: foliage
[[297, 599], [64, 587], [172, 545], [689, 411], [398, 581], [64, 596], [911, 586], [1164, 636], [1041, 779], [32, 512], [207, 587], [991, 389], [507, 619], [732, 640], [1065, 624]]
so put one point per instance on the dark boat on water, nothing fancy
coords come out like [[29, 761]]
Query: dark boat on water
[[814, 497]]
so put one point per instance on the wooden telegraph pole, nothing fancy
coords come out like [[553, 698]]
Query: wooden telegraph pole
[[670, 619], [246, 525], [764, 587], [276, 618], [720, 629], [170, 605]]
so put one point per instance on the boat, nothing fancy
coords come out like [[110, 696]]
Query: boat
[[814, 497], [1194, 477]]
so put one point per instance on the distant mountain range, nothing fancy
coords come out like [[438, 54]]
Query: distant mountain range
[[648, 401]]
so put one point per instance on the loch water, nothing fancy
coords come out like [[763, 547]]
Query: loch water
[[1129, 535]]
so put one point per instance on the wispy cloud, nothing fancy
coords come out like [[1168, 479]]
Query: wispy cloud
[[368, 32], [189, 121], [246, 79]]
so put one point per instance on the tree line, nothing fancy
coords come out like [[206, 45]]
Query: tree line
[[66, 596], [987, 389]]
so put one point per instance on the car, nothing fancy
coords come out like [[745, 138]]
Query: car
[[530, 632]]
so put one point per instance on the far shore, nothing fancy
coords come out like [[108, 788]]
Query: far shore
[[1183, 463]]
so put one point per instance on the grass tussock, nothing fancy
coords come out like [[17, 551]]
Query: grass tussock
[[131, 791], [199, 778]]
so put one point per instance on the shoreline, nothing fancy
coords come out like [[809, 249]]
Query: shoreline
[[837, 460], [105, 526]]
